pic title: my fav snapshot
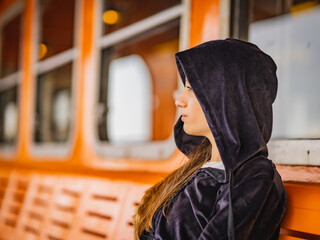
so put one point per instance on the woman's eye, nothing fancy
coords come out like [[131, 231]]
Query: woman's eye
[[189, 88]]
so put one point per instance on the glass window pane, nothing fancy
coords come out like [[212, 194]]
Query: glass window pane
[[120, 13], [53, 112], [130, 77], [138, 78], [10, 39], [293, 40], [56, 29], [8, 116]]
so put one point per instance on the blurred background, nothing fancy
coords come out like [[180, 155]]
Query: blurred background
[[87, 91]]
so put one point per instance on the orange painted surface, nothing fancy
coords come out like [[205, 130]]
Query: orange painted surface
[[101, 204], [282, 237], [204, 22], [82, 159], [36, 206], [83, 151], [85, 32], [25, 94], [204, 25], [303, 207], [83, 163], [27, 84]]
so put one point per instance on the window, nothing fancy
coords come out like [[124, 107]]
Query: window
[[9, 116], [53, 111], [54, 69], [10, 38], [138, 78], [130, 77], [289, 32]]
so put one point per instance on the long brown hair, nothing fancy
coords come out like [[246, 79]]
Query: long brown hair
[[163, 191]]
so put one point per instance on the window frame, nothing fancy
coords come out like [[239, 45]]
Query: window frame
[[53, 149], [281, 151], [13, 79], [153, 150]]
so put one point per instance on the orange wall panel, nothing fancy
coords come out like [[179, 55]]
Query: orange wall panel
[[204, 22], [26, 90]]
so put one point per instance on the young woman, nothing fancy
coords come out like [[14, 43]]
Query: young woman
[[228, 189]]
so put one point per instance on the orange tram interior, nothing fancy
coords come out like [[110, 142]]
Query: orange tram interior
[[74, 166]]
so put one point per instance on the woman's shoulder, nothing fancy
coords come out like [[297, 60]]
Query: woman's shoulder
[[205, 181], [260, 165], [191, 206], [206, 176]]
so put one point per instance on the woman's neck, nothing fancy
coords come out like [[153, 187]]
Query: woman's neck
[[215, 155]]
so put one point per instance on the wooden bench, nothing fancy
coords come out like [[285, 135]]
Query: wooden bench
[[53, 207]]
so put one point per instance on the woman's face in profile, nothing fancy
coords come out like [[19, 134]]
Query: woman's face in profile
[[192, 115]]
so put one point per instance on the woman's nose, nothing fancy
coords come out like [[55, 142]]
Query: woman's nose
[[181, 102]]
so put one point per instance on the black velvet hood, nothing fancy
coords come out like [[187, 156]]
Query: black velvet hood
[[235, 84]]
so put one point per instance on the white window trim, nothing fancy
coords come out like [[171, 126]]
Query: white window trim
[[10, 81], [13, 79], [12, 11], [295, 152], [154, 150], [56, 61], [59, 151]]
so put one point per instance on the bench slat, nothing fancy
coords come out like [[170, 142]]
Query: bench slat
[[302, 215]]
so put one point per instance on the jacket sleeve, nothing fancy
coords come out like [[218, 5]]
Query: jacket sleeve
[[255, 200]]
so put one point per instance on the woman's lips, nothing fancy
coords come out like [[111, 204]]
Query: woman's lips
[[183, 116]]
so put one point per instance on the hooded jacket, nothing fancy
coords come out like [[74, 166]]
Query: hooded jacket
[[235, 84]]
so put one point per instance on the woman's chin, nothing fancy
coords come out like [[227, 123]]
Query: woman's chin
[[187, 131], [190, 131], [193, 132]]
